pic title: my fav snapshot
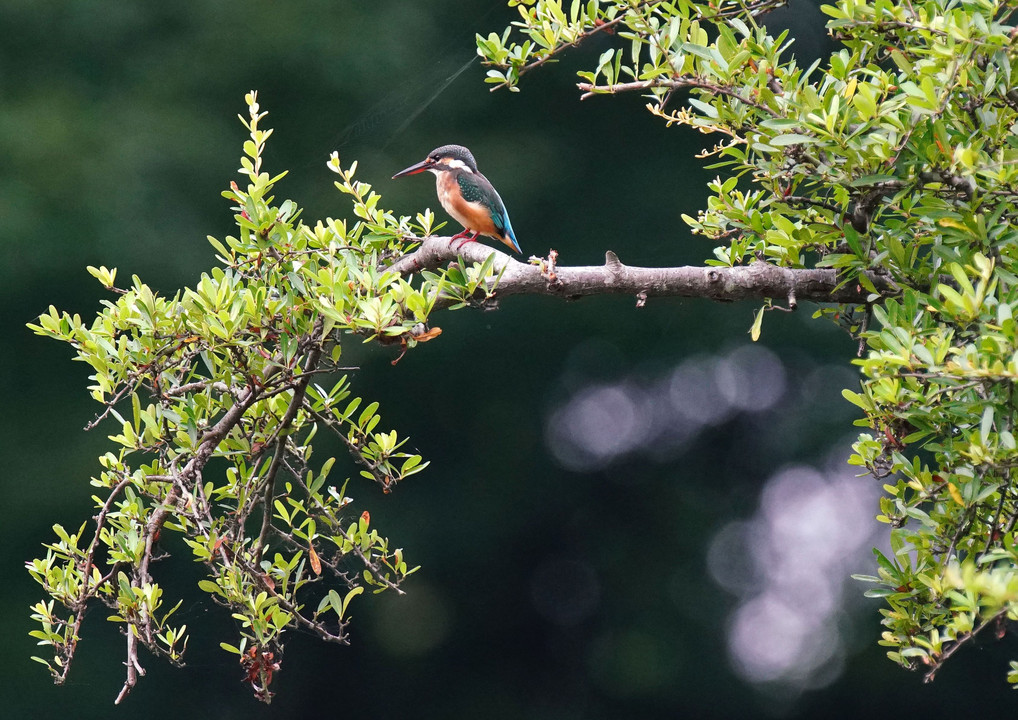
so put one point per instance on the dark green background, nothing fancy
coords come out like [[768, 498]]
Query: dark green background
[[118, 132]]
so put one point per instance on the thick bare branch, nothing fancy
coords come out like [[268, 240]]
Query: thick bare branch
[[759, 280]]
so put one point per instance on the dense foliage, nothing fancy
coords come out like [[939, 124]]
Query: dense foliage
[[894, 157], [217, 394], [891, 160]]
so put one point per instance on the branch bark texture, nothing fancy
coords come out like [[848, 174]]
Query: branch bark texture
[[759, 280]]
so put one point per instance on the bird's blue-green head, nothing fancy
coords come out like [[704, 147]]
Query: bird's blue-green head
[[443, 159]]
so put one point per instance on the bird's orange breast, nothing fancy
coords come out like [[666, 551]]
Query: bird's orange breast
[[472, 216]]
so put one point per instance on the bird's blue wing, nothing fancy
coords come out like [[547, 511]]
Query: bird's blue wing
[[476, 188]]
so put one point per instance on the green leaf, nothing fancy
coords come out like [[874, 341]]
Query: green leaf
[[211, 588], [350, 596], [754, 331], [986, 424], [125, 587], [336, 602], [858, 400], [791, 139]]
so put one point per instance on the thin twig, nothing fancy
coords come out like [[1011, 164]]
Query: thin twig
[[590, 90], [929, 676], [86, 571], [282, 429], [202, 385], [803, 200], [608, 27], [863, 327], [996, 515], [134, 668], [188, 476]]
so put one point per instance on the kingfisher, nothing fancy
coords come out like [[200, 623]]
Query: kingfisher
[[466, 195]]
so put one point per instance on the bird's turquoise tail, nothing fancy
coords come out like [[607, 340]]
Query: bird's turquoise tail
[[510, 236]]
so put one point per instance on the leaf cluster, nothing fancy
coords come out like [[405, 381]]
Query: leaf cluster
[[895, 156], [215, 395]]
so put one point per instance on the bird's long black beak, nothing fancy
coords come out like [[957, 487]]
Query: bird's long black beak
[[414, 169]]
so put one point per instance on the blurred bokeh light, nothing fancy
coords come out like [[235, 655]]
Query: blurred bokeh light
[[789, 564]]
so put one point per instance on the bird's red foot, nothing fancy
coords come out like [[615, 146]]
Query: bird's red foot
[[465, 240]]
